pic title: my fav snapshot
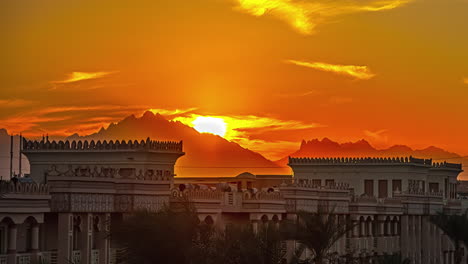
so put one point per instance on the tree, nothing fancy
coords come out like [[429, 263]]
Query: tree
[[456, 228], [318, 232], [392, 259], [162, 237], [239, 244]]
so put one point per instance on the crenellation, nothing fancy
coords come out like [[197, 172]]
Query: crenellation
[[370, 161], [150, 145], [23, 188]]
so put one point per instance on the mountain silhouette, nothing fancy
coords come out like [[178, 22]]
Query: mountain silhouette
[[362, 148], [205, 154], [211, 155]]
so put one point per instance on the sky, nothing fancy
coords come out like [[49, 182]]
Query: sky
[[276, 71]]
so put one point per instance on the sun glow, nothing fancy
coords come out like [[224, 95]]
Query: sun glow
[[207, 124]]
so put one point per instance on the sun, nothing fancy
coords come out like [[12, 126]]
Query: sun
[[207, 124]]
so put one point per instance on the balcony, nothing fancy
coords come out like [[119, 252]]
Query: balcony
[[95, 256], [48, 257], [23, 258], [76, 257]]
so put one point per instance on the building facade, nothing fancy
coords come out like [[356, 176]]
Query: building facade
[[81, 187]]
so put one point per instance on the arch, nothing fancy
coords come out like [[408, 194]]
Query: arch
[[208, 220], [275, 218], [264, 218], [7, 220], [31, 220]]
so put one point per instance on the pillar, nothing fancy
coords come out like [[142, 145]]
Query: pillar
[[363, 228], [65, 238], [35, 243], [103, 243], [356, 229], [86, 237], [255, 226], [12, 236]]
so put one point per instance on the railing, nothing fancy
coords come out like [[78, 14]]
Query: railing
[[95, 256], [115, 255], [48, 257], [7, 187], [3, 259], [23, 258], [76, 257]]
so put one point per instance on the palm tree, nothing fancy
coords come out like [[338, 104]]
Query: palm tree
[[318, 232], [456, 228], [239, 244], [393, 259], [162, 237]]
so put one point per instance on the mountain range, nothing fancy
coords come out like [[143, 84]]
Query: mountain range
[[211, 155], [362, 148]]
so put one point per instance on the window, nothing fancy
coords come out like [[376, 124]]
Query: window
[[316, 182], [433, 187], [396, 185], [369, 187], [329, 182], [383, 189]]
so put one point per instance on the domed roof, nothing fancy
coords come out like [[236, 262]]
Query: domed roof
[[247, 175]]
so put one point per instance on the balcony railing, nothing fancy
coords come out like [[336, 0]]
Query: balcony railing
[[48, 257], [76, 257], [23, 258], [3, 259], [95, 256]]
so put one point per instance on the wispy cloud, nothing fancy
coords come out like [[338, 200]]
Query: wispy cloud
[[81, 76], [4, 103], [245, 129], [359, 72], [340, 100], [378, 137], [299, 94], [304, 16]]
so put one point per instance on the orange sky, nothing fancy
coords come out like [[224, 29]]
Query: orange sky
[[389, 71]]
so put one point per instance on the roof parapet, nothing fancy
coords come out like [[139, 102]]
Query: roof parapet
[[153, 145], [23, 188], [371, 160]]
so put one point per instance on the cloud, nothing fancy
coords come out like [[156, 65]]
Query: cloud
[[359, 72], [81, 76], [67, 120], [377, 136], [304, 16], [300, 94], [465, 80], [250, 131], [340, 100], [4, 103]]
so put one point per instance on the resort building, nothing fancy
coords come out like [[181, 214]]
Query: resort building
[[80, 188]]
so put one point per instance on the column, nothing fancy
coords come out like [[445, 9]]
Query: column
[[404, 243], [35, 243], [356, 229], [363, 228], [103, 243], [86, 238], [65, 238], [12, 235], [255, 226]]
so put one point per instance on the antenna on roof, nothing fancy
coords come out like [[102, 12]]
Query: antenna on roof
[[20, 154], [11, 156]]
